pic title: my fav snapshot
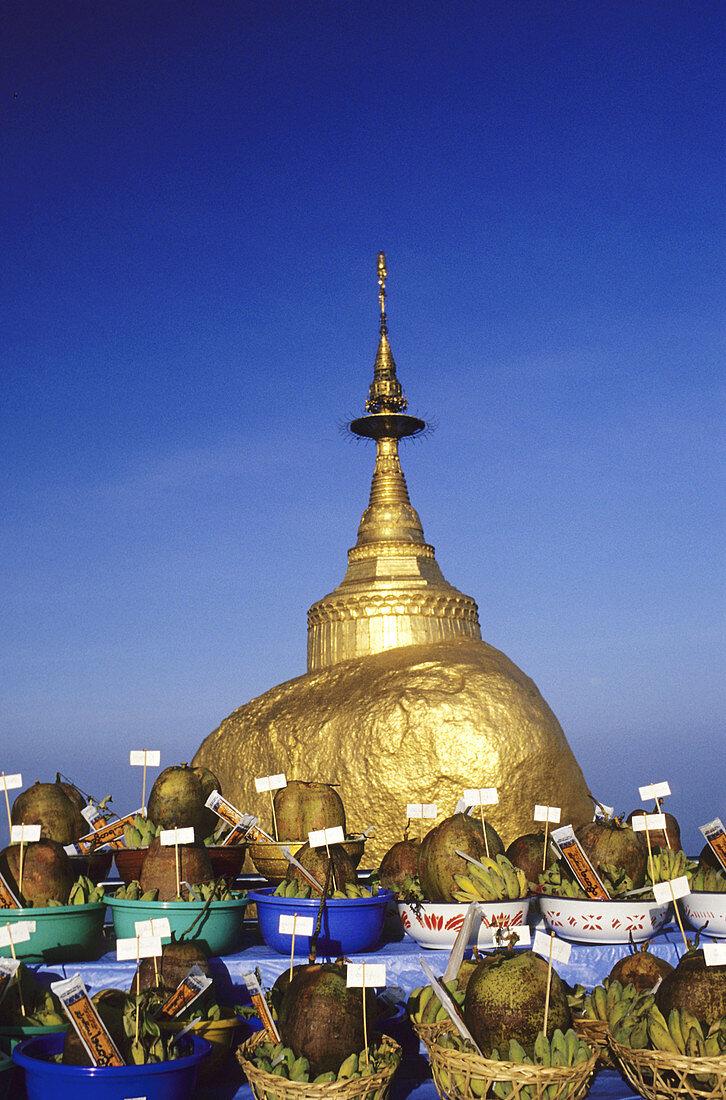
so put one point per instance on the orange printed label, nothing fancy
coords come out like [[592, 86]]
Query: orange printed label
[[263, 1012], [715, 834], [236, 836], [185, 994], [575, 858], [7, 897], [106, 833], [100, 1046]]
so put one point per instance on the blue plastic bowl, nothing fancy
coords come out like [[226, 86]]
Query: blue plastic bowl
[[46, 1080], [349, 925]]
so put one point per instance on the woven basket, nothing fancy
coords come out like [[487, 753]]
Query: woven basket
[[428, 1033], [660, 1076], [595, 1034], [463, 1075], [266, 1086]]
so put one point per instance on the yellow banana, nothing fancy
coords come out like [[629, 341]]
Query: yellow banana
[[661, 1037]]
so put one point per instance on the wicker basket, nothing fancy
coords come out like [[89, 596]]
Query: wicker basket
[[660, 1076], [463, 1075], [428, 1033], [595, 1034], [267, 1086]]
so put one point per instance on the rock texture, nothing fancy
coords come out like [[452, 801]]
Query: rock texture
[[412, 724]]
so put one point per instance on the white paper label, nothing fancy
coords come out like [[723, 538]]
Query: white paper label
[[714, 954], [650, 822], [24, 834], [157, 926], [481, 796], [421, 809], [544, 944], [291, 924], [19, 932], [654, 791], [138, 947], [318, 838], [176, 836], [549, 814], [603, 812], [270, 782], [663, 892], [10, 782], [149, 758], [499, 937], [370, 975]]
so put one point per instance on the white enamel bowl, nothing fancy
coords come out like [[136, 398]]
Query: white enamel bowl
[[602, 921], [436, 924], [703, 908]]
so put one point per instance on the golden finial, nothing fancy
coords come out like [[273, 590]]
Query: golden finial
[[382, 274]]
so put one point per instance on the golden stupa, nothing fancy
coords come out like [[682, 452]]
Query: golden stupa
[[402, 701]]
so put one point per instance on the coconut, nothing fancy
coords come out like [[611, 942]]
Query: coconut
[[505, 999], [47, 872], [527, 852], [315, 860], [695, 986], [177, 959], [158, 871], [48, 805], [642, 968], [658, 838], [613, 844], [177, 800], [321, 1019], [400, 860], [302, 807], [437, 858]]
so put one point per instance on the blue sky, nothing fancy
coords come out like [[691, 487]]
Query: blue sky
[[193, 196]]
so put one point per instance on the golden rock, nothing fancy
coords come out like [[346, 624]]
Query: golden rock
[[402, 702], [411, 724]]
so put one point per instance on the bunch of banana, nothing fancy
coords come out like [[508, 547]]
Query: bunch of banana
[[302, 890], [665, 864], [707, 880], [46, 1012], [576, 999], [496, 880], [85, 892], [609, 1002], [409, 890], [140, 832], [424, 1007], [280, 1061], [132, 892], [555, 882], [218, 890], [563, 1049], [615, 880]]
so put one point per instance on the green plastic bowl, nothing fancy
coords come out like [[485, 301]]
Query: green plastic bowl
[[10, 1035], [63, 933], [218, 931], [8, 1073]]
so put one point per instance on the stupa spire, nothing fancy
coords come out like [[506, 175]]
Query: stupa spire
[[393, 593]]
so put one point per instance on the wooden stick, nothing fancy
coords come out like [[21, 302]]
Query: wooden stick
[[544, 850], [365, 1022], [549, 983], [651, 866], [483, 827], [7, 803], [20, 868], [678, 914], [18, 972], [292, 948], [176, 858], [143, 785], [274, 818]]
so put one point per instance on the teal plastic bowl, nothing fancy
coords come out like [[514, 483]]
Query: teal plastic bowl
[[8, 1073], [45, 1080], [10, 1036], [218, 931], [63, 933]]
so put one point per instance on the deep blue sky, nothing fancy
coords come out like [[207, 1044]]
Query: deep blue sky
[[192, 198]]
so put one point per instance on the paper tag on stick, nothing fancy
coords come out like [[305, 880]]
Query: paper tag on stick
[[24, 834], [651, 823], [157, 926], [320, 838], [145, 758], [270, 783], [574, 856], [714, 954], [299, 926], [715, 834], [481, 796], [549, 814], [366, 975], [547, 946], [20, 932], [138, 947], [82, 1012], [10, 782], [427, 810], [654, 791], [671, 890], [169, 837]]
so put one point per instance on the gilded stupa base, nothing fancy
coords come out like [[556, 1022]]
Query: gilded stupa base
[[413, 724]]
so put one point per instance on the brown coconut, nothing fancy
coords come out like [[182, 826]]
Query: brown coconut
[[48, 805], [437, 858], [177, 800], [48, 873], [695, 986], [610, 843], [315, 860], [527, 852], [177, 959], [302, 807], [399, 861], [642, 968], [158, 871]]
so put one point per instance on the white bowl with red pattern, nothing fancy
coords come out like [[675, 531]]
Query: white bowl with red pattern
[[706, 912], [616, 921], [436, 924]]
